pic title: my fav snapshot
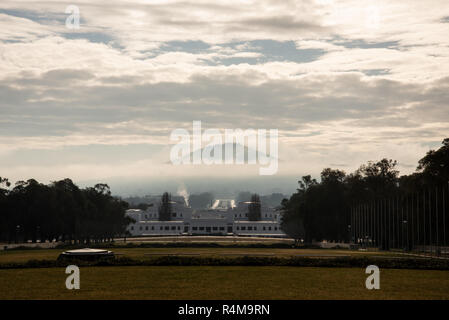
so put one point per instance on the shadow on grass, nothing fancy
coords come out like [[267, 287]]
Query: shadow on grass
[[334, 262]]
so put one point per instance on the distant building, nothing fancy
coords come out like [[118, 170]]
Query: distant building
[[225, 217]]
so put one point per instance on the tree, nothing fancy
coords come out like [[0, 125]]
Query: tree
[[4, 210], [165, 209], [331, 176], [434, 166], [254, 208], [62, 211], [380, 178], [321, 210], [6, 184], [292, 222], [296, 211], [306, 183]]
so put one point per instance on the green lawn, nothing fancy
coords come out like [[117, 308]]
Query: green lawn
[[222, 283], [51, 254], [217, 282]]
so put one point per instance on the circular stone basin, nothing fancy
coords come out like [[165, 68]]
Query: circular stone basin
[[86, 254]]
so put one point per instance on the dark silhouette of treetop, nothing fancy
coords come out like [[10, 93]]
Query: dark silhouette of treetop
[[254, 208], [165, 209]]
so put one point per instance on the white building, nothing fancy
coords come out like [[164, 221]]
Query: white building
[[223, 218]]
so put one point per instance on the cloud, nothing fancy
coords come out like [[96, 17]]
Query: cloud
[[343, 83]]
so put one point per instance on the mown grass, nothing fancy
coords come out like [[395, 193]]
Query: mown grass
[[222, 282], [10, 256], [218, 281]]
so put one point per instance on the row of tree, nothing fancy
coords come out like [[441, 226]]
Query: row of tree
[[60, 210], [322, 210]]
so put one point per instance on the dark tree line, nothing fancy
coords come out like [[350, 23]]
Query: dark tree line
[[60, 210], [322, 210]]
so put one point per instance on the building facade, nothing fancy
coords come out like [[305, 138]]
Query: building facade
[[223, 218]]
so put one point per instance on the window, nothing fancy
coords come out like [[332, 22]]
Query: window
[[146, 228], [238, 228], [173, 214], [275, 228], [194, 228], [146, 216], [243, 228], [255, 228], [132, 228], [140, 228], [160, 228], [201, 228], [263, 228], [152, 227], [173, 227], [214, 228], [269, 228], [250, 228], [167, 228], [221, 228], [179, 228]]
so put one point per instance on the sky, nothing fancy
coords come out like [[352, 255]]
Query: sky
[[344, 82]]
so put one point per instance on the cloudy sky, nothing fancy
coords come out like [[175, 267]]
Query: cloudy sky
[[344, 82]]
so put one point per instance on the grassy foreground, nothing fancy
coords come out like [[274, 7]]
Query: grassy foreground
[[218, 282], [172, 282]]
